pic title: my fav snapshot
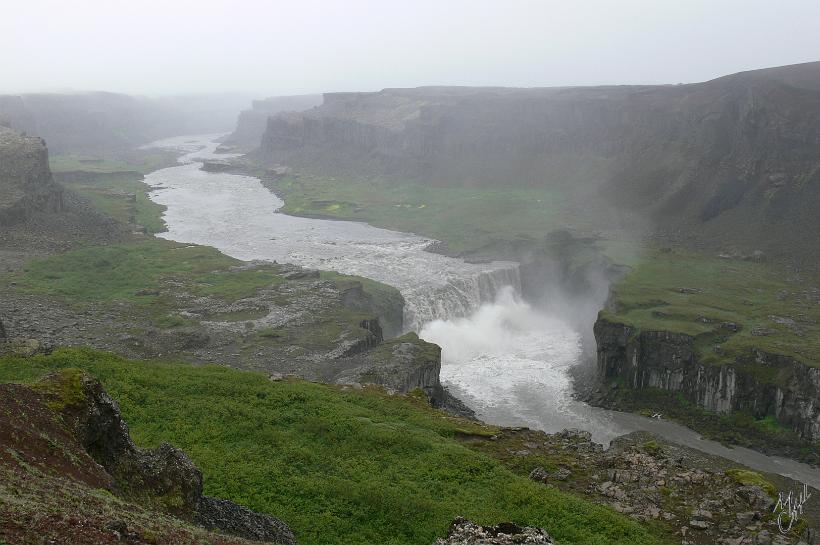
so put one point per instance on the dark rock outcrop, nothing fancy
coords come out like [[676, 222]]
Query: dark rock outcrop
[[402, 365], [26, 185], [226, 516], [163, 477], [759, 383], [464, 532]]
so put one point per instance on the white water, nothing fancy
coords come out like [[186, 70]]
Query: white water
[[508, 361]]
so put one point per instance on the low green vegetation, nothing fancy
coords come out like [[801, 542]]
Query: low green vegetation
[[752, 478], [338, 465], [730, 306], [123, 196], [466, 218], [115, 185], [133, 271], [141, 161]]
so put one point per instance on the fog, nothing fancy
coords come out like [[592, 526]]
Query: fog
[[273, 47]]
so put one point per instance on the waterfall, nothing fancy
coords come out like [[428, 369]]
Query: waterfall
[[458, 296]]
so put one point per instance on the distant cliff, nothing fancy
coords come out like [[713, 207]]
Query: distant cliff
[[732, 161], [99, 123], [252, 123], [26, 185]]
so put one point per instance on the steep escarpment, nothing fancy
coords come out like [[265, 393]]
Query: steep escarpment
[[26, 185], [760, 384], [732, 161], [251, 124], [66, 433]]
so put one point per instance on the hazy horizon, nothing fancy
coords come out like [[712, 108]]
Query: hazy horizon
[[278, 48]]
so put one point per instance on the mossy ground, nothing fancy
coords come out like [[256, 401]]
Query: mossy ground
[[124, 197], [142, 161], [698, 294], [338, 465], [118, 272], [467, 218], [109, 184], [159, 281]]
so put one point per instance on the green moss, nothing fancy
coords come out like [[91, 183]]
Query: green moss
[[652, 447], [65, 389], [752, 478], [339, 465]]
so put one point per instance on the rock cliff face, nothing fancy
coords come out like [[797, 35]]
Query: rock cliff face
[[252, 123], [759, 384], [732, 161], [26, 185]]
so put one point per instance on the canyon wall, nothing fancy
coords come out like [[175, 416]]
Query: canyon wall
[[251, 124], [733, 161], [26, 185], [758, 383]]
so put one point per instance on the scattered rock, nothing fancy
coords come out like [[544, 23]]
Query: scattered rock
[[301, 274], [689, 291], [562, 474], [539, 474], [464, 532], [226, 516], [698, 524]]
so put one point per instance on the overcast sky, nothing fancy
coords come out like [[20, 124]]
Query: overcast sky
[[276, 47]]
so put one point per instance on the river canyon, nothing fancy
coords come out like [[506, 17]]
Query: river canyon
[[507, 360]]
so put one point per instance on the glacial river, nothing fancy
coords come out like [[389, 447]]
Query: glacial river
[[509, 362]]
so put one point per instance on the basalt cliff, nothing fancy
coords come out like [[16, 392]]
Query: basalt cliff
[[26, 185], [760, 384], [251, 124], [696, 162]]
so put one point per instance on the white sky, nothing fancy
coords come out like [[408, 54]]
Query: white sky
[[304, 46]]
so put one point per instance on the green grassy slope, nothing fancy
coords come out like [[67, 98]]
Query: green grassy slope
[[339, 466]]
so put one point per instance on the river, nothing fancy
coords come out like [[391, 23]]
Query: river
[[508, 361]]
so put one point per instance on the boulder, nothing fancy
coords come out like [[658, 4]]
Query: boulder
[[464, 532]]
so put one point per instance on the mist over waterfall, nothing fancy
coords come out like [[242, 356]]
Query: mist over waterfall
[[511, 363]]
